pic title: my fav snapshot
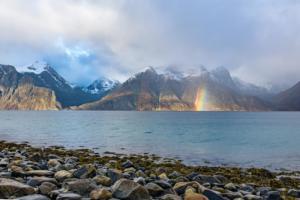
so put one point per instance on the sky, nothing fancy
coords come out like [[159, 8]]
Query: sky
[[83, 40]]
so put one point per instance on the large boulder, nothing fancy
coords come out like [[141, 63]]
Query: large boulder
[[103, 180], [80, 186], [130, 190], [101, 194], [181, 186], [62, 175], [86, 171], [36, 181], [10, 188], [114, 175], [47, 187], [17, 171], [294, 193], [154, 189], [212, 195], [190, 194]]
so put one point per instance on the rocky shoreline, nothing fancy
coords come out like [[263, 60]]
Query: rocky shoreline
[[30, 173]]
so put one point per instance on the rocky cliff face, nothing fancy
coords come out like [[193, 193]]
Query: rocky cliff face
[[148, 90], [29, 97], [19, 93], [38, 87]]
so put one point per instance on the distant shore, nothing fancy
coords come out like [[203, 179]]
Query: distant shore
[[59, 173]]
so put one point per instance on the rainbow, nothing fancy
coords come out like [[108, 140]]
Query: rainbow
[[200, 100]]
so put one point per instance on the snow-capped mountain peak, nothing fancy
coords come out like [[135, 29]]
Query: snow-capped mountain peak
[[37, 67], [101, 85]]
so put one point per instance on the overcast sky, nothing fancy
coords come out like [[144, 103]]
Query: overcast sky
[[257, 40]]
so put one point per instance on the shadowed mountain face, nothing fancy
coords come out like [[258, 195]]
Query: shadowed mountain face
[[288, 100], [39, 87], [211, 91], [18, 92]]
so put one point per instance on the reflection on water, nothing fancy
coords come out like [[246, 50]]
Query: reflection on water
[[236, 138]]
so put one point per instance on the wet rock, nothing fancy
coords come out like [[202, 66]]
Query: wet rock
[[231, 187], [10, 188], [81, 186], [246, 188], [39, 173], [127, 189], [140, 180], [294, 193], [154, 189], [62, 175], [5, 174], [33, 197], [103, 180], [17, 171], [3, 162], [54, 194], [68, 196], [114, 175], [212, 195], [47, 187], [273, 195], [127, 164], [36, 181], [181, 187], [262, 191], [164, 184], [192, 175], [102, 194], [86, 171], [221, 178]]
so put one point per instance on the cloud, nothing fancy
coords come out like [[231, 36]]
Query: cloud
[[85, 39]]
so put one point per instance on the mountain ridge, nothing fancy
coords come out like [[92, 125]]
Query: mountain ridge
[[149, 90], [41, 87]]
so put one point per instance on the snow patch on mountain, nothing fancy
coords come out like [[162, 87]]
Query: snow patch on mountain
[[37, 67], [101, 85]]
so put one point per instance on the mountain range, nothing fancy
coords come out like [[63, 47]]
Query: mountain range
[[40, 87]]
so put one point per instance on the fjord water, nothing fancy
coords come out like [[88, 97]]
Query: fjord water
[[261, 139]]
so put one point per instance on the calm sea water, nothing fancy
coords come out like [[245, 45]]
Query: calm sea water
[[261, 139]]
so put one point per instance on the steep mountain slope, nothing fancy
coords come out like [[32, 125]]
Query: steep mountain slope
[[288, 100], [18, 92], [149, 90], [43, 75], [39, 86]]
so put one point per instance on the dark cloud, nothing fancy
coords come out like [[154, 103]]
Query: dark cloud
[[256, 40]]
